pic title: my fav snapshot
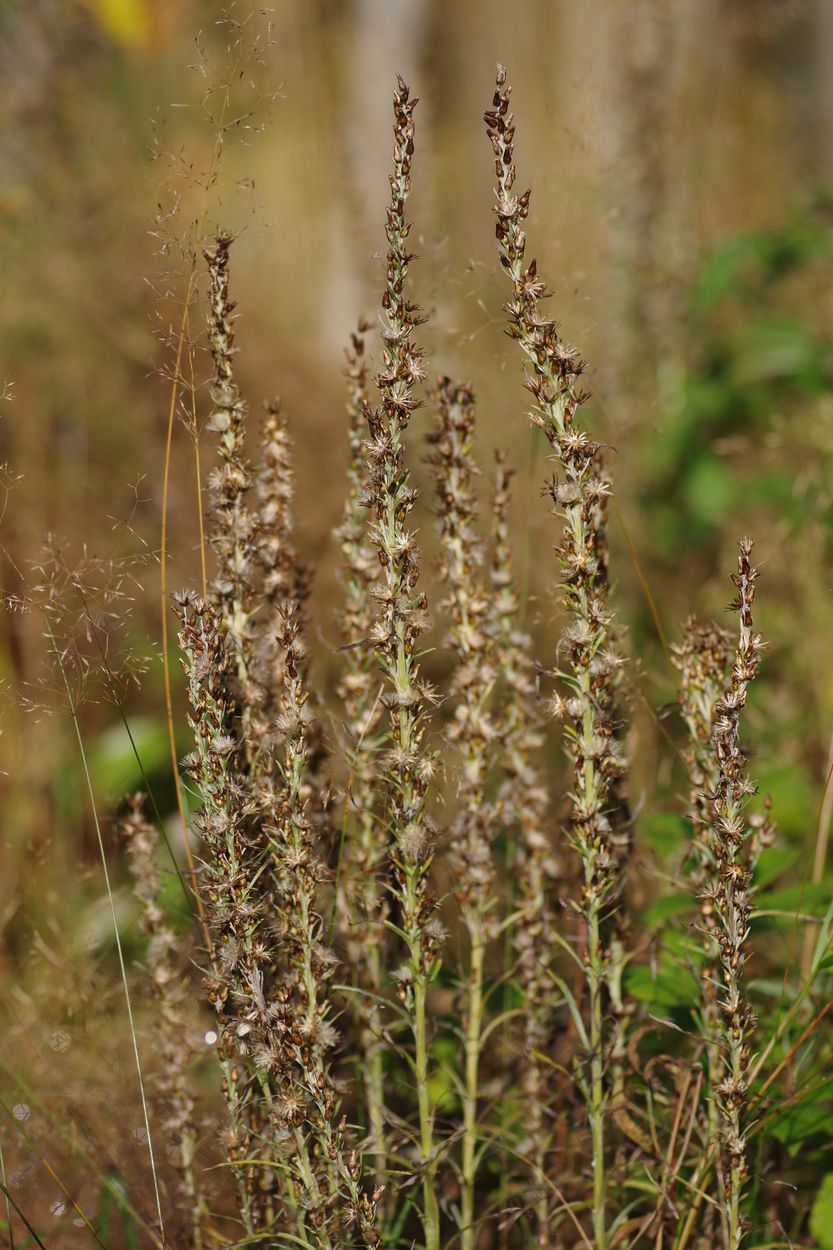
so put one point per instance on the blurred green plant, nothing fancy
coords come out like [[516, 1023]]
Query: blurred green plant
[[757, 356]]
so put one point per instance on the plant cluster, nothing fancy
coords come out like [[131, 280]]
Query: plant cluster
[[420, 955]]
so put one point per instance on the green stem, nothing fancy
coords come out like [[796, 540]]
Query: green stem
[[372, 1048], [431, 1214], [596, 1103], [473, 1030]]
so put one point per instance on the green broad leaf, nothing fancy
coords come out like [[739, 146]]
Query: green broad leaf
[[800, 1121], [666, 908], [114, 1192], [777, 351], [821, 1216], [667, 987], [663, 831], [773, 863], [798, 1125], [793, 795], [710, 488], [113, 761], [773, 987], [808, 899], [442, 1089], [723, 271], [682, 949]]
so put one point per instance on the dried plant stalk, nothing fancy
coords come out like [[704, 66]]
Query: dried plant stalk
[[284, 578], [476, 1142], [175, 1098], [473, 732], [297, 1048], [362, 903], [733, 839], [591, 728], [237, 860], [235, 857], [402, 618], [703, 660], [256, 735], [522, 809], [232, 524]]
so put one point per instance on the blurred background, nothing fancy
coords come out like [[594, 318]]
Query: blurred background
[[681, 158]]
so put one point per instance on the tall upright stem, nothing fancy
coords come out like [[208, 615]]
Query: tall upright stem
[[472, 1084], [734, 846], [472, 638], [521, 804], [360, 902], [596, 1106], [402, 618], [588, 663]]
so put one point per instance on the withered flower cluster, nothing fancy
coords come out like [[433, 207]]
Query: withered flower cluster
[[702, 660], [285, 580]]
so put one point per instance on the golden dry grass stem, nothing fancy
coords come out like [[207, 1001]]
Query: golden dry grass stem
[[164, 595], [195, 433], [643, 580], [183, 343]]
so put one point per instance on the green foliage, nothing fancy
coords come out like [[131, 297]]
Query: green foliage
[[670, 982], [806, 1118], [113, 1201], [757, 354], [821, 1217]]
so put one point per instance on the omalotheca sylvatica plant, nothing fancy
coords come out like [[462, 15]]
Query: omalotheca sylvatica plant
[[414, 927]]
